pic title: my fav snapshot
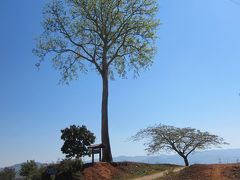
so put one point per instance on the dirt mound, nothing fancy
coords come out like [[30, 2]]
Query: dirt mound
[[232, 171], [207, 172], [101, 171]]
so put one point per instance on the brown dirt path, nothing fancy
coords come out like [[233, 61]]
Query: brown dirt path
[[160, 174]]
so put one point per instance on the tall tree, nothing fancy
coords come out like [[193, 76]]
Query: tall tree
[[183, 141], [112, 35]]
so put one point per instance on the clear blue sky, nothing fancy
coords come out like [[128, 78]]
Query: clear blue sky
[[195, 81]]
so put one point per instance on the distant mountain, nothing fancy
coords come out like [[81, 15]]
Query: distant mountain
[[204, 157], [17, 167]]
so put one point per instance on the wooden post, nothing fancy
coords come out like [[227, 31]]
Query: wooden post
[[100, 155], [92, 157]]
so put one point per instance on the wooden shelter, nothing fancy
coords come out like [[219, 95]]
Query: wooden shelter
[[96, 149]]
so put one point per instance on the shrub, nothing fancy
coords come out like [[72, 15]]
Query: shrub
[[7, 174], [67, 168], [29, 169], [40, 174]]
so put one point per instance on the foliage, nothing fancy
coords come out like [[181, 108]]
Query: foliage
[[114, 33], [40, 174], [70, 165], [7, 174], [29, 169], [76, 139], [180, 140], [64, 170]]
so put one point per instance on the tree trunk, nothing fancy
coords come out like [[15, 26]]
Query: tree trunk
[[107, 154], [186, 161]]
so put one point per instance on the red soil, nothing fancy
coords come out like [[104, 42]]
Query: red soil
[[208, 172], [101, 171]]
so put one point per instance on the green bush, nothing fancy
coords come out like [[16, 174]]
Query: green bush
[[7, 174], [68, 168], [40, 174], [29, 170]]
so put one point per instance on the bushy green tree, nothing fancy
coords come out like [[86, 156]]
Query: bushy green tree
[[183, 141], [76, 139], [29, 169], [7, 174], [113, 36]]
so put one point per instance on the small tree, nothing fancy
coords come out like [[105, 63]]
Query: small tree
[[183, 141], [28, 169], [7, 174], [76, 139]]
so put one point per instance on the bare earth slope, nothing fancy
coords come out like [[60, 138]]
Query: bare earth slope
[[207, 172]]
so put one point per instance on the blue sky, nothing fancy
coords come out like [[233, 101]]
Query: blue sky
[[194, 81]]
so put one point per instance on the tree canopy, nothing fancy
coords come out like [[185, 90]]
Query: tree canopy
[[183, 141], [76, 139], [121, 33]]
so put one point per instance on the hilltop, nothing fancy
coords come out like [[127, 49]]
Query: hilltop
[[206, 172], [123, 170]]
